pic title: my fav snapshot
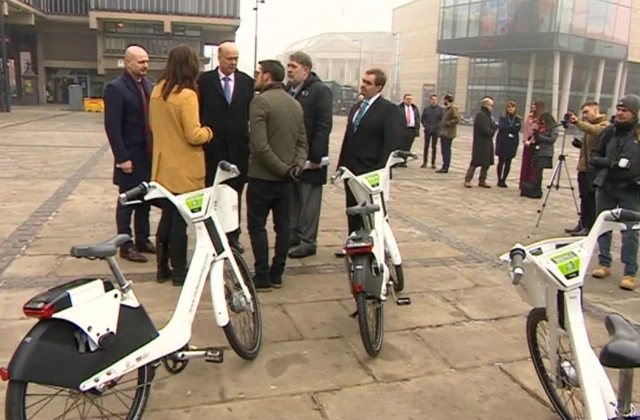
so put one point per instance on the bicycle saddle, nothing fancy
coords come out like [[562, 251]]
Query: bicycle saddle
[[623, 349], [108, 248]]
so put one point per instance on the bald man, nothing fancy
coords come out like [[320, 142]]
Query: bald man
[[225, 96], [126, 121], [482, 155]]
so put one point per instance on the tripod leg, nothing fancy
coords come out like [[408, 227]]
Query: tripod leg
[[573, 192], [554, 178]]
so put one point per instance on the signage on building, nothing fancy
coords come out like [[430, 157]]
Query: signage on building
[[121, 64]]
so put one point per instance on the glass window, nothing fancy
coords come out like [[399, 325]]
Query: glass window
[[474, 20], [597, 18], [488, 18], [580, 17], [546, 11], [110, 27], [503, 17], [564, 17], [622, 28], [447, 23], [461, 16]]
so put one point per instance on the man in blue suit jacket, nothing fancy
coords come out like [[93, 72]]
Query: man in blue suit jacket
[[126, 121]]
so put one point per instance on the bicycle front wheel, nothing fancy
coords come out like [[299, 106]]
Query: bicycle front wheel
[[562, 386], [370, 309], [244, 330]]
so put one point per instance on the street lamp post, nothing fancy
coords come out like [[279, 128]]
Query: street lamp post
[[255, 43], [6, 94]]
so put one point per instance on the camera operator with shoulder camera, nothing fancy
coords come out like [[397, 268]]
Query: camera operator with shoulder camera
[[616, 157], [592, 125]]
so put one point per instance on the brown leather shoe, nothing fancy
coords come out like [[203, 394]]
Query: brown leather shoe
[[132, 255], [484, 185], [467, 184], [147, 248]]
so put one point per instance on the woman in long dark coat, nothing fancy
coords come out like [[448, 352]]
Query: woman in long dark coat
[[507, 141], [528, 172]]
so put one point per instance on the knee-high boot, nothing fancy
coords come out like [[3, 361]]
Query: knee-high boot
[[162, 258]]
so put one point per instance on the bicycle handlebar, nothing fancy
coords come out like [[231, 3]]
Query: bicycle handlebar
[[624, 215], [229, 167], [516, 255], [134, 193]]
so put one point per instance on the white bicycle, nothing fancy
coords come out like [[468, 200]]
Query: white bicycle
[[91, 334], [571, 374], [373, 260]]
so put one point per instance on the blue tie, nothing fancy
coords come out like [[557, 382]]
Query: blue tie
[[227, 88], [363, 108]]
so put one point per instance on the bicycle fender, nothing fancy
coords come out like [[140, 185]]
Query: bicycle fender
[[49, 354], [364, 278]]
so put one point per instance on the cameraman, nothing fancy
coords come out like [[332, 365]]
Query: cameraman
[[616, 156], [592, 125]]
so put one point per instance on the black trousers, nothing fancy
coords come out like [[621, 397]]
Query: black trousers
[[445, 146], [587, 200], [264, 197], [430, 138], [140, 215], [504, 167], [172, 235]]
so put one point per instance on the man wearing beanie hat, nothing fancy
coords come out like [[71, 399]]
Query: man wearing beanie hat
[[616, 156]]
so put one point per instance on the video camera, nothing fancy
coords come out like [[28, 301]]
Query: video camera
[[566, 119]]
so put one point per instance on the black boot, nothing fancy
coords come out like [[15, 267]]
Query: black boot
[[162, 258], [178, 255]]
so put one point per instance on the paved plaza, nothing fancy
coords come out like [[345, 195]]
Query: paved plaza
[[459, 351]]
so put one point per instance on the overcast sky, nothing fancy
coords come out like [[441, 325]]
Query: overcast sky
[[283, 22]]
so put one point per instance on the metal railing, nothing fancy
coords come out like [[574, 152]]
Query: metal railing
[[154, 45], [206, 8], [60, 7]]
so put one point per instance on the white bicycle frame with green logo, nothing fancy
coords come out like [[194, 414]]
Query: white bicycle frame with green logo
[[549, 275]]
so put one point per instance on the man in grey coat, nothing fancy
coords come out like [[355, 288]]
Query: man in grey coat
[[483, 130]]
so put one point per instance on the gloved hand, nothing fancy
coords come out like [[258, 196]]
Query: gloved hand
[[602, 162], [577, 143], [294, 172]]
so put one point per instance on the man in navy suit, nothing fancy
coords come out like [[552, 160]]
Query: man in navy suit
[[374, 130], [126, 121]]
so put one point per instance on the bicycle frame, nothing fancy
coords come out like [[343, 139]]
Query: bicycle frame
[[373, 188], [200, 209], [556, 269]]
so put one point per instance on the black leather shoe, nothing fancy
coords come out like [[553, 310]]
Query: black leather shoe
[[340, 254], [577, 228], [442, 171], [237, 245], [302, 251], [581, 232]]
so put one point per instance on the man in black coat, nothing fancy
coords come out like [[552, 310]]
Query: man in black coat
[[126, 122], [374, 130], [411, 117], [316, 100], [483, 130], [225, 96], [431, 119]]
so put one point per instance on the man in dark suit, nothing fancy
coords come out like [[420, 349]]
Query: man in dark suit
[[306, 200], [411, 117], [225, 96], [126, 121], [373, 132]]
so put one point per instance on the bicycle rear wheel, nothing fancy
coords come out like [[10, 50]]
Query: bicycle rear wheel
[[249, 324], [564, 392], [370, 309]]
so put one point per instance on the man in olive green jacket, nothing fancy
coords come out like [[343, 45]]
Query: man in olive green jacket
[[447, 131], [592, 125], [279, 149]]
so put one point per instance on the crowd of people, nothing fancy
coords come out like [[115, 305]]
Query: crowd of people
[[275, 131]]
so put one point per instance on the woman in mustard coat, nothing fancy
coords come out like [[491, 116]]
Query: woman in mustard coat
[[178, 158]]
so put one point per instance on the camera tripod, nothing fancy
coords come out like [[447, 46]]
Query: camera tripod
[[554, 182]]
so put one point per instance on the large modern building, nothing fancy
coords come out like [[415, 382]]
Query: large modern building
[[54, 43], [561, 51], [344, 56]]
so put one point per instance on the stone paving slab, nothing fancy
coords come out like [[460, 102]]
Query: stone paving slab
[[458, 351]]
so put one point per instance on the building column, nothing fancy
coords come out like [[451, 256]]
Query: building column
[[566, 83], [623, 83], [555, 87], [599, 78], [616, 88], [532, 77], [587, 85], [42, 72], [330, 69], [100, 52]]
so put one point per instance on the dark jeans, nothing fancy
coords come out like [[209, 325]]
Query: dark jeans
[[433, 139], [587, 200], [504, 167], [172, 233], [140, 214], [471, 171], [445, 146], [262, 197], [626, 199]]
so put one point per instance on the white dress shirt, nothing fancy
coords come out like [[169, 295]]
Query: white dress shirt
[[371, 101]]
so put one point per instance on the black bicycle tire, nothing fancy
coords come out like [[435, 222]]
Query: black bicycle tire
[[535, 317], [239, 348], [372, 345], [16, 390], [398, 284]]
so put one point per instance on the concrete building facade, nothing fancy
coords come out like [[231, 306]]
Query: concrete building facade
[[562, 51], [54, 43]]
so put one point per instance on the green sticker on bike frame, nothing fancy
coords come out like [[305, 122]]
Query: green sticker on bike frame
[[568, 264], [373, 180], [194, 203]]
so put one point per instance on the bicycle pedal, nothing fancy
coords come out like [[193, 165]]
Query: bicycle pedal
[[354, 315], [214, 355], [403, 301]]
